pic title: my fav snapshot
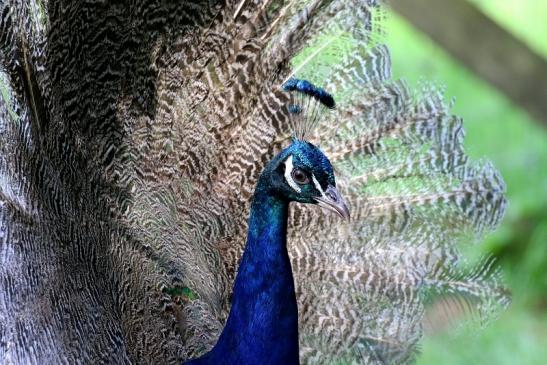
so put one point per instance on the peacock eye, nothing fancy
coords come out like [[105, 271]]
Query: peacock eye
[[300, 177]]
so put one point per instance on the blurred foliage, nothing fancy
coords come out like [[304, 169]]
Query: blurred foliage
[[499, 131], [518, 337]]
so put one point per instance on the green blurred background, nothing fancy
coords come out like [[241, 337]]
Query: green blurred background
[[502, 132]]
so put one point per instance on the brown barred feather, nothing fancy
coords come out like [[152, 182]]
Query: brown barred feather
[[131, 138]]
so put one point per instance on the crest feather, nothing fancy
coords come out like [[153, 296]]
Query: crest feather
[[307, 104]]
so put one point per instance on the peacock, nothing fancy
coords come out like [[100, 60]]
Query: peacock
[[262, 327], [142, 142]]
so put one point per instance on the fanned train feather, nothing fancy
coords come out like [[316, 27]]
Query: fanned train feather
[[131, 139]]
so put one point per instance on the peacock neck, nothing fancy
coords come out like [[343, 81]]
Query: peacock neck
[[262, 327]]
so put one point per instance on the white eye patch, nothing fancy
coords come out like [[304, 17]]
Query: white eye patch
[[318, 186], [288, 175]]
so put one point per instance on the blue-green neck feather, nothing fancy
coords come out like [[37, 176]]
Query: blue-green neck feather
[[262, 327]]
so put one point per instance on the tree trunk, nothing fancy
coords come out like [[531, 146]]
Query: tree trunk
[[486, 48]]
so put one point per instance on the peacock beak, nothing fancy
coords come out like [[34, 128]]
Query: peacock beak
[[332, 200]]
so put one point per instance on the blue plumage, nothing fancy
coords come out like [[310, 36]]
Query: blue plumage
[[306, 106], [262, 327], [295, 109], [309, 89]]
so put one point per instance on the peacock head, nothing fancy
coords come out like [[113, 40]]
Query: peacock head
[[302, 173]]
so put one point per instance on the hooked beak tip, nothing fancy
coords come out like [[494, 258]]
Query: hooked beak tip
[[332, 200]]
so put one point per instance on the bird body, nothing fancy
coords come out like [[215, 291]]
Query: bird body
[[262, 327], [142, 143]]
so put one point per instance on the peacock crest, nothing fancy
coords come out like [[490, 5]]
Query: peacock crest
[[132, 138], [307, 105]]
